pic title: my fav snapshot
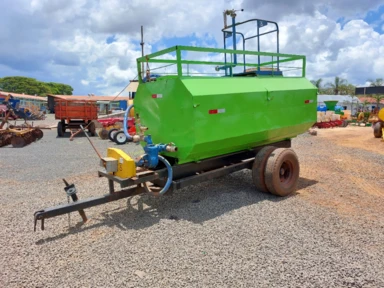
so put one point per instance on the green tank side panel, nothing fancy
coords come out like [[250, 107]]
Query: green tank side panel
[[255, 111], [168, 118]]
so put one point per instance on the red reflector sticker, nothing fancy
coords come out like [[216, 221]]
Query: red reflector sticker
[[216, 111], [157, 95], [308, 101]]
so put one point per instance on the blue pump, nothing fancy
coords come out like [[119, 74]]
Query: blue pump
[[151, 157], [151, 160]]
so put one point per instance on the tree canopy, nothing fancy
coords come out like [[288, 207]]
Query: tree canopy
[[376, 83], [31, 86], [339, 86]]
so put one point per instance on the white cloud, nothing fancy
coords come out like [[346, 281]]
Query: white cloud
[[171, 18], [65, 40], [278, 9], [354, 51]]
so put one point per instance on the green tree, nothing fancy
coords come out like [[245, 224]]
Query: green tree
[[318, 85], [376, 83], [353, 96], [31, 86], [365, 103], [327, 91], [337, 85], [60, 89], [347, 89]]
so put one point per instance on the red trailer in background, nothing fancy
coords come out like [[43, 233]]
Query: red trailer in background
[[73, 113]]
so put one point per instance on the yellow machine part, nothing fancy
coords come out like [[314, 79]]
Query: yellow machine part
[[126, 167], [360, 116], [381, 114]]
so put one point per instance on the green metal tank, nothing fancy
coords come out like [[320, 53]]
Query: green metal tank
[[210, 116]]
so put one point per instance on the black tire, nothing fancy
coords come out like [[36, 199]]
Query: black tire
[[37, 133], [18, 142], [120, 138], [92, 129], [282, 172], [377, 132], [103, 134], [111, 134], [60, 132], [258, 168], [63, 126]]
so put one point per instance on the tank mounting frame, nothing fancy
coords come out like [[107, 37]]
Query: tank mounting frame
[[184, 176]]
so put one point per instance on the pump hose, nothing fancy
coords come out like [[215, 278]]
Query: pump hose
[[169, 179], [126, 121], [170, 175]]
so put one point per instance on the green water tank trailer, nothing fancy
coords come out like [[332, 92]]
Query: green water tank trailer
[[205, 127], [254, 104]]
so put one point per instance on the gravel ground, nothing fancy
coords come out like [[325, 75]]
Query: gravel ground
[[219, 233]]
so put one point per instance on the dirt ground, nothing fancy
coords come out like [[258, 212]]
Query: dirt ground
[[354, 160], [354, 137]]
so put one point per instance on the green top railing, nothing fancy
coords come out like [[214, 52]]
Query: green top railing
[[275, 58]]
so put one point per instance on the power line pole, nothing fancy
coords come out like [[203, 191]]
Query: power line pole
[[142, 51]]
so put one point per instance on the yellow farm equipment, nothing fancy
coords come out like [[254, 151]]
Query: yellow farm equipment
[[17, 136], [376, 119], [378, 128]]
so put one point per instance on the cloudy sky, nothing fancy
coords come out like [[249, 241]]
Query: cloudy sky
[[92, 45]]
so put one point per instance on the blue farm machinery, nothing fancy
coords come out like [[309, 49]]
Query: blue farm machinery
[[194, 128]]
